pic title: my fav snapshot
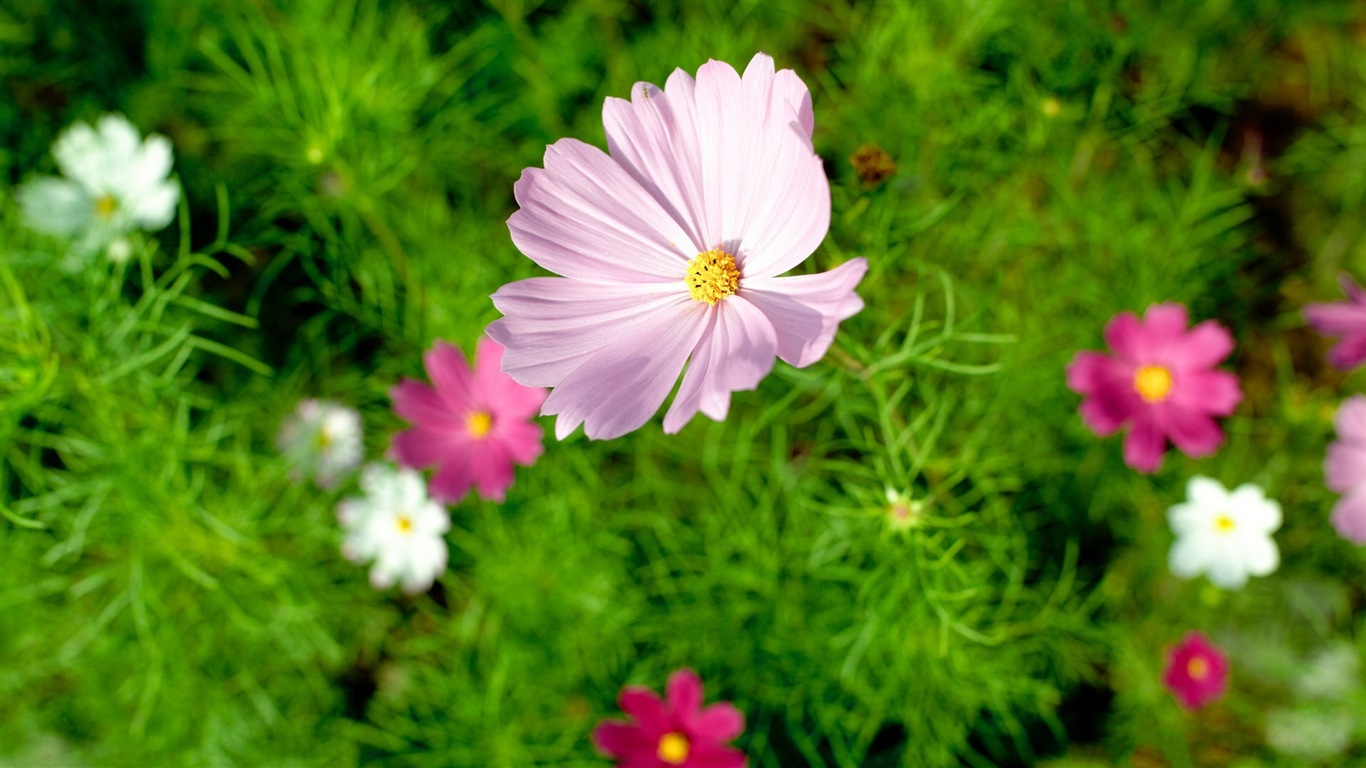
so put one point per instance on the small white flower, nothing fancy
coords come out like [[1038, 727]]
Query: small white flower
[[1225, 535], [322, 440], [114, 182], [397, 527]]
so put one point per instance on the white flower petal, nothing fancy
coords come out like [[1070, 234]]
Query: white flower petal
[[1260, 555], [1189, 557], [55, 206], [154, 207]]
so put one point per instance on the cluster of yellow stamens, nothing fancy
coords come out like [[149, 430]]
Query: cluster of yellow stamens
[[105, 206], [1197, 668], [1153, 383], [713, 276], [478, 423], [673, 748], [404, 523], [1224, 524]]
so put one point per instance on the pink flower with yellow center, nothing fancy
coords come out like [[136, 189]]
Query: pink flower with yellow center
[[677, 732], [1161, 381], [1345, 470], [1197, 671], [1346, 319], [473, 425], [669, 250]]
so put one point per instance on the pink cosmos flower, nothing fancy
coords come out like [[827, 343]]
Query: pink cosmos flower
[[1197, 671], [472, 426], [1346, 319], [1161, 381], [675, 733], [669, 250], [1345, 470]]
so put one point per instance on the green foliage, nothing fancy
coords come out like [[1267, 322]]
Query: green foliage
[[909, 554]]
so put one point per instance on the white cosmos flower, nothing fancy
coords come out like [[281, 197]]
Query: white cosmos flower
[[396, 526], [1225, 535], [112, 183], [322, 441]]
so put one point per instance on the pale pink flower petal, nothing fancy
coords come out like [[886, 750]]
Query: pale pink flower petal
[[1349, 517], [736, 353], [716, 171], [806, 310], [472, 426], [1160, 380], [1346, 319], [584, 217], [558, 323], [1344, 468]]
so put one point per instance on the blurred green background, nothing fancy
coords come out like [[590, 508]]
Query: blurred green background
[[1015, 173]]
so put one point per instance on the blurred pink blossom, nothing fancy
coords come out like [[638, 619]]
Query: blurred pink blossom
[[669, 250], [1197, 671], [1345, 470], [1161, 381], [1346, 319], [472, 426], [675, 732]]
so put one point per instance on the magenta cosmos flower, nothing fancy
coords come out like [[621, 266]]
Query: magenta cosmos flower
[[1161, 381], [670, 249], [1197, 671], [1345, 470], [677, 732], [472, 426], [1346, 319]]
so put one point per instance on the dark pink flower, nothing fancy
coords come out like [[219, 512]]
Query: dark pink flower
[[1161, 381], [674, 733], [1197, 671], [1346, 319], [1345, 470], [473, 426]]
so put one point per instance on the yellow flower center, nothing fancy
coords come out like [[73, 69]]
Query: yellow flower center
[[1197, 668], [673, 748], [105, 207], [479, 423], [404, 523], [324, 440], [1224, 524], [712, 276], [1153, 382]]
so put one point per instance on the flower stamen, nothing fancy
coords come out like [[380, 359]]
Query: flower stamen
[[478, 423], [712, 276], [404, 524], [1197, 668], [1224, 524], [1153, 383], [673, 748], [105, 207]]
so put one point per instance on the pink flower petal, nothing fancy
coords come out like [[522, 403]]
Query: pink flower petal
[[1145, 444], [705, 755], [1193, 433], [497, 392], [453, 479], [1092, 373], [684, 694], [1104, 415], [420, 404], [583, 216], [418, 448], [1125, 335], [1350, 420], [1349, 353], [1164, 327], [1344, 466], [736, 353], [554, 324], [1336, 318], [492, 469], [522, 441], [451, 375], [617, 389], [1212, 392], [719, 723], [1204, 346], [621, 740], [806, 310], [1351, 289], [1349, 517], [647, 709]]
